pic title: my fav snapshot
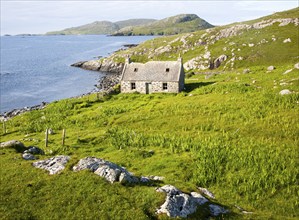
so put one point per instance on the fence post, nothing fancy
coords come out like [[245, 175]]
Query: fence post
[[63, 136], [4, 127], [46, 138]]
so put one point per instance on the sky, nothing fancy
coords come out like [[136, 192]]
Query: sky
[[39, 17]]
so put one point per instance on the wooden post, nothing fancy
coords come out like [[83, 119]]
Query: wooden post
[[46, 138], [63, 136], [4, 127]]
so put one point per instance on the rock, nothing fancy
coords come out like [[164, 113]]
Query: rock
[[216, 210], [91, 163], [78, 64], [296, 66], [28, 156], [178, 204], [219, 60], [250, 45], [92, 65], [285, 92], [126, 177], [110, 171], [271, 68], [206, 192], [34, 150], [53, 165], [13, 144], [288, 71], [288, 40], [246, 71]]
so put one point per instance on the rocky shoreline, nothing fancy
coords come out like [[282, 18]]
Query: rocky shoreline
[[106, 84], [111, 69]]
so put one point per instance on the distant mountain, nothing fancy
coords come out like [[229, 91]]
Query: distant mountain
[[182, 23], [101, 27]]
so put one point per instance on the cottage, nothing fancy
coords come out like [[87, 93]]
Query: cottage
[[153, 77]]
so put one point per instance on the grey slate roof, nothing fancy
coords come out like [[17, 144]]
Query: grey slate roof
[[152, 71]]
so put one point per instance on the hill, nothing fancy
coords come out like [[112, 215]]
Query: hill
[[169, 26], [266, 41], [230, 131], [100, 27]]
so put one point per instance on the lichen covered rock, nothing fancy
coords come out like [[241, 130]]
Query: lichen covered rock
[[53, 165]]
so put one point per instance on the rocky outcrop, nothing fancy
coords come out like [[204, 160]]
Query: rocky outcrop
[[28, 156], [13, 144], [179, 204], [31, 151], [105, 65], [110, 171], [16, 112], [53, 165], [285, 92]]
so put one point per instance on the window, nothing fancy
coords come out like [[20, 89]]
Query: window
[[164, 86], [133, 86], [135, 69], [167, 70]]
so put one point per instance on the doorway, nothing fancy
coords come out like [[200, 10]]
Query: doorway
[[148, 88]]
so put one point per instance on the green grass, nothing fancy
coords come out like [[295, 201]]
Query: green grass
[[235, 137]]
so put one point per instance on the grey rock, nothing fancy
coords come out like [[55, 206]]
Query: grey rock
[[206, 192], [28, 156], [216, 210], [12, 144], [110, 171], [288, 71], [53, 165], [219, 60], [34, 150], [91, 163], [288, 40], [178, 204], [296, 66], [271, 68], [246, 71], [285, 92]]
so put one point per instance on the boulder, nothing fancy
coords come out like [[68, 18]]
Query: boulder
[[78, 64], [296, 66], [110, 171], [28, 156], [34, 150], [285, 92], [179, 204], [13, 144], [53, 165], [91, 65], [271, 68], [246, 71], [288, 40], [219, 60]]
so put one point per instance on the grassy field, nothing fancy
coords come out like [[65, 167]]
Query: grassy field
[[232, 133]]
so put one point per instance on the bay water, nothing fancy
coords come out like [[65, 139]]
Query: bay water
[[36, 69]]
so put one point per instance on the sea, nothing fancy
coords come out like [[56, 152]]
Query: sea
[[36, 69]]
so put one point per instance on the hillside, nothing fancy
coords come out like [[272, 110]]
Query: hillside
[[265, 41], [169, 26], [231, 131], [100, 27]]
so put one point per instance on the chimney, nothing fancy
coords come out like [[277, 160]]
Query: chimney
[[180, 59]]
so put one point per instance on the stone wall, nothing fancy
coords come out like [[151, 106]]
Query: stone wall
[[153, 87]]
